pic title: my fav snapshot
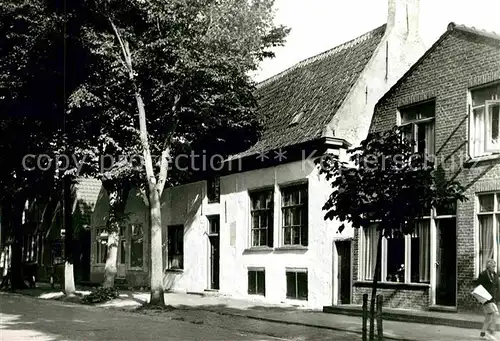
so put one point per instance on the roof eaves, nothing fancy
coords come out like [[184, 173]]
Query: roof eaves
[[476, 31]]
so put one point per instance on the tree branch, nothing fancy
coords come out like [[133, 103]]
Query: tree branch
[[162, 177], [125, 50]]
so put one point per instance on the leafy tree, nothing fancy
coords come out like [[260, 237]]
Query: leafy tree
[[388, 184], [173, 76], [39, 65], [28, 109]]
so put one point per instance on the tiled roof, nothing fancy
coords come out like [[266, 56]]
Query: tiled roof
[[311, 91], [484, 33], [87, 192]]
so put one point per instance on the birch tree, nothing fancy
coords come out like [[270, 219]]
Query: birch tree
[[178, 73]]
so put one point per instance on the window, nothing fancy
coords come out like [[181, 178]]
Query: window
[[262, 218], [370, 251], [123, 245], [296, 284], [136, 246], [489, 225], [417, 124], [213, 190], [404, 258], [294, 212], [30, 248], [485, 120], [101, 245], [395, 250], [176, 247], [213, 225], [257, 281], [420, 252]]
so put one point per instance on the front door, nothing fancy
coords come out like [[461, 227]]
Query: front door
[[214, 256], [344, 272], [446, 257]]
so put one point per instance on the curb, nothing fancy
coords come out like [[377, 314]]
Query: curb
[[304, 324], [402, 317]]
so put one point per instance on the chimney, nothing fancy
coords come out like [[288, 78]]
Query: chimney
[[403, 16]]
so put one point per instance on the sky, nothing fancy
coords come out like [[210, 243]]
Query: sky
[[319, 25]]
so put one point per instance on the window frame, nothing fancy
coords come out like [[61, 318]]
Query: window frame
[[433, 218], [101, 235], [213, 190], [495, 214], [302, 205], [257, 270], [130, 240], [270, 211], [296, 271], [472, 138], [180, 229], [414, 123]]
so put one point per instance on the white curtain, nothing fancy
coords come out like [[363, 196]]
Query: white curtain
[[486, 241], [423, 230], [478, 136], [370, 254], [429, 140]]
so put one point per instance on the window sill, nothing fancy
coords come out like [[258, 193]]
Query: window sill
[[291, 248], [295, 300], [484, 158], [392, 285], [256, 295], [178, 271], [257, 249], [135, 269]]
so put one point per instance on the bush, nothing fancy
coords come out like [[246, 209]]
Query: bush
[[101, 295]]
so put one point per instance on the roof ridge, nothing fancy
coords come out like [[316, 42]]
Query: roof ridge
[[323, 55], [472, 29]]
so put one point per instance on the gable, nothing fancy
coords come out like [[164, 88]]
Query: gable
[[310, 93]]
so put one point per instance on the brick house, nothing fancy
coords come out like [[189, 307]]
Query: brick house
[[449, 102], [257, 229]]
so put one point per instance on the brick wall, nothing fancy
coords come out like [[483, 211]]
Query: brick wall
[[460, 61], [396, 296]]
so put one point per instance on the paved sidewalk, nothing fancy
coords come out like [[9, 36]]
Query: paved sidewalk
[[294, 316], [194, 305]]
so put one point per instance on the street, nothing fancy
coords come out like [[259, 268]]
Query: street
[[27, 318]]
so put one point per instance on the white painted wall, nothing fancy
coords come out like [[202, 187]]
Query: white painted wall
[[402, 47], [235, 258], [183, 205]]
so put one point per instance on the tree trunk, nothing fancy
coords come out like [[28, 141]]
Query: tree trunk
[[374, 285], [117, 202], [157, 295], [110, 269], [16, 267], [69, 274], [155, 188]]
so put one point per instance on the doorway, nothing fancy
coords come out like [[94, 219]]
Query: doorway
[[214, 251], [446, 257], [344, 283]]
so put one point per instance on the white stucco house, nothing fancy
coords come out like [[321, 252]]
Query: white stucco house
[[257, 230]]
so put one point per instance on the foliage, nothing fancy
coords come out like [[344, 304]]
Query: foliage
[[100, 295], [386, 182], [190, 62]]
